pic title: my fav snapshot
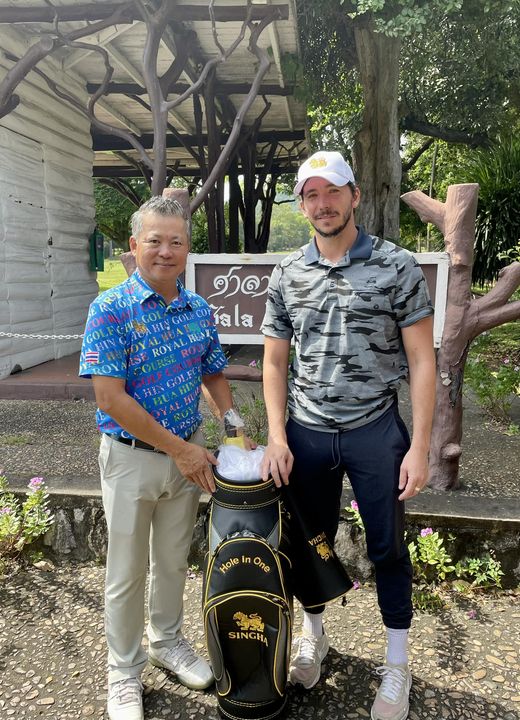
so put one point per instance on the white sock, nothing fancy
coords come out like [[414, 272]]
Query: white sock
[[313, 624], [397, 646]]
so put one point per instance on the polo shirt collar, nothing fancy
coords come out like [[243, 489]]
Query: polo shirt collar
[[360, 250], [143, 292]]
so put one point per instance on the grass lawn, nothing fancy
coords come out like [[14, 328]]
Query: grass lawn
[[113, 274]]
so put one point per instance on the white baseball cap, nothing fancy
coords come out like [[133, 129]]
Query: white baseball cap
[[324, 164]]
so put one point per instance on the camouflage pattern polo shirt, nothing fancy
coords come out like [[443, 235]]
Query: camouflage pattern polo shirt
[[345, 319]]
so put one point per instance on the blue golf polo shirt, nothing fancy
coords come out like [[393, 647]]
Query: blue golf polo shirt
[[161, 351]]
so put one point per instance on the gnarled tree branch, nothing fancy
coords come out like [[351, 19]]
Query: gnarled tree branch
[[449, 135], [42, 49], [229, 147]]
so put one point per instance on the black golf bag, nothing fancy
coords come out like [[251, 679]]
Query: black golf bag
[[247, 604]]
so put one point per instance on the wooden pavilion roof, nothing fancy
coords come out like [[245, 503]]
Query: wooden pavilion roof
[[126, 102]]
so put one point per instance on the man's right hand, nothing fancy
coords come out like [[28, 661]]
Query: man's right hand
[[194, 463], [278, 461]]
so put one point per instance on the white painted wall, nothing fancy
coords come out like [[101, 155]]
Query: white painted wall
[[46, 216]]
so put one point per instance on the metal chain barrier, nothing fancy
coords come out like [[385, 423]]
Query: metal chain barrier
[[41, 337]]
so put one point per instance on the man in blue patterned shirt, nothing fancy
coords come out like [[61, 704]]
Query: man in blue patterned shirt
[[358, 310], [150, 345]]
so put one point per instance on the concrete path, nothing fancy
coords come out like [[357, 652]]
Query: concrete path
[[465, 660]]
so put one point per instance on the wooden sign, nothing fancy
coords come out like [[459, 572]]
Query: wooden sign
[[235, 286]]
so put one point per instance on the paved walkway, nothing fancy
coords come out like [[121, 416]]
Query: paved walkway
[[465, 660]]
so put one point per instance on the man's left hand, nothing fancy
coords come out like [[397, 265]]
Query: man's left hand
[[413, 475]]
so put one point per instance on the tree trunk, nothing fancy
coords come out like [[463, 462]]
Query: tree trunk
[[465, 319], [234, 204], [262, 240], [248, 154], [377, 163]]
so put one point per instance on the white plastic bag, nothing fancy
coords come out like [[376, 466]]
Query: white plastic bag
[[235, 463]]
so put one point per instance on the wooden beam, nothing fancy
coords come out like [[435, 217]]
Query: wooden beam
[[221, 88], [122, 171], [277, 54], [84, 11], [98, 11], [110, 142], [101, 39]]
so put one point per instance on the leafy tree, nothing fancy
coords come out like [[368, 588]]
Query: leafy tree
[[375, 68], [289, 229], [497, 232], [436, 168], [113, 209]]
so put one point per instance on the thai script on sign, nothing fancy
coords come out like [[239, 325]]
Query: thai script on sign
[[231, 284]]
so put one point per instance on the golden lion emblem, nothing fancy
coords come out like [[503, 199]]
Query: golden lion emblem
[[317, 163], [140, 328], [249, 622], [324, 551]]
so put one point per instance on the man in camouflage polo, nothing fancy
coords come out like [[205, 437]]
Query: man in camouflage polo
[[358, 309]]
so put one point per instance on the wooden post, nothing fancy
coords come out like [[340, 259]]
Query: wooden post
[[466, 318]]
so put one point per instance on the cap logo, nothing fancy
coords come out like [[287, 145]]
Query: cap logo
[[317, 163]]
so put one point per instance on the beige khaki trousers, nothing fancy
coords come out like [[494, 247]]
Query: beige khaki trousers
[[150, 510]]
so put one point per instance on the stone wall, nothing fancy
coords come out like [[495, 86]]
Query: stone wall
[[80, 535]]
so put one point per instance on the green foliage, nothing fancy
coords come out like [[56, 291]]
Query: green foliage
[[252, 411], [15, 439], [113, 210], [458, 70], [433, 567], [199, 232], [497, 171], [493, 371], [430, 560], [485, 572], [213, 432], [354, 515], [21, 523], [289, 229], [416, 235], [461, 71], [292, 71], [511, 255], [494, 388], [396, 18]]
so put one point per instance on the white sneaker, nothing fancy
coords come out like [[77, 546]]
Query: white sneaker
[[125, 699], [191, 669], [392, 698], [309, 652]]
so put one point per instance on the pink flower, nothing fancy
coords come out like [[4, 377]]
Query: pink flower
[[356, 585], [253, 363], [426, 531], [354, 505], [35, 483], [472, 614], [5, 511], [506, 361]]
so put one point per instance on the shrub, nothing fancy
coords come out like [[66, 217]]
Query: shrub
[[497, 229], [433, 567], [22, 522]]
